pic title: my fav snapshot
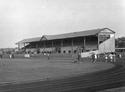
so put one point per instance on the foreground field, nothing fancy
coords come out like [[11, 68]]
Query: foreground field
[[120, 89], [28, 70]]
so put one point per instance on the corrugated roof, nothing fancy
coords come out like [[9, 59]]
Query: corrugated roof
[[74, 34], [66, 35], [36, 39]]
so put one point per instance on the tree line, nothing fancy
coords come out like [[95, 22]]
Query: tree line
[[120, 42]]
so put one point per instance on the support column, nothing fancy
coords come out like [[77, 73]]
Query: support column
[[84, 43], [98, 41], [36, 46], [61, 45], [52, 43], [52, 47], [44, 46], [72, 46]]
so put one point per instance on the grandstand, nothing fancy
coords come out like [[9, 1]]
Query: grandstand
[[99, 40]]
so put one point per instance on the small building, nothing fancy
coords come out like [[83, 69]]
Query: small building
[[100, 40]]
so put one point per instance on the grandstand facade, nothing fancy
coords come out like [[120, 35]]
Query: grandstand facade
[[100, 40]]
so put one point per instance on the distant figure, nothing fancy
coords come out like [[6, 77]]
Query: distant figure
[[94, 57], [48, 56], [79, 57], [1, 54], [106, 58], [75, 58], [10, 56], [44, 53], [27, 55], [114, 57], [111, 57], [119, 56]]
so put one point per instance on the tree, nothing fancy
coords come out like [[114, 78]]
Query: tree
[[120, 42]]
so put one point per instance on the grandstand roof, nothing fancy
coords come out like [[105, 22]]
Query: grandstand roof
[[74, 34], [66, 35], [36, 39]]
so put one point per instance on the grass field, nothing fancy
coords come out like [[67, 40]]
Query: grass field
[[27, 70]]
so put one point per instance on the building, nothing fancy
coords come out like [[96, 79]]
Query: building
[[100, 40]]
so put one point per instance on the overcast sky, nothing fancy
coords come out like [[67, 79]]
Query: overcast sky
[[21, 19]]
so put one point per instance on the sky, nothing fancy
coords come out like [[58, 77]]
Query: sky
[[20, 19]]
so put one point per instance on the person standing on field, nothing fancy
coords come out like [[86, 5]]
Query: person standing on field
[[75, 58], [1, 54], [94, 57], [111, 57], [119, 56], [48, 55], [114, 57], [106, 58], [79, 57]]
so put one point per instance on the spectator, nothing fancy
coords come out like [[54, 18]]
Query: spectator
[[114, 57], [75, 58], [27, 55], [106, 58], [94, 57], [48, 55], [79, 57], [1, 54], [10, 56], [111, 57], [119, 56]]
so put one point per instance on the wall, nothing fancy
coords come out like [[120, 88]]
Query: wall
[[108, 45]]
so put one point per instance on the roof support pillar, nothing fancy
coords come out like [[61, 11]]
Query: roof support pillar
[[72, 45], [52, 46], [84, 43], [44, 46], [98, 41], [61, 43], [36, 46], [52, 43]]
